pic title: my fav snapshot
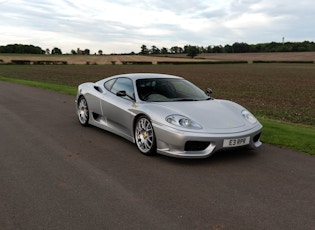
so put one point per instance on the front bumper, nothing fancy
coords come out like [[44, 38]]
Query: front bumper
[[172, 142]]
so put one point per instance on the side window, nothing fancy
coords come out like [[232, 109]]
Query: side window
[[123, 84], [109, 84]]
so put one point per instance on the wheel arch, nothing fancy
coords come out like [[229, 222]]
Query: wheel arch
[[83, 121], [78, 98]]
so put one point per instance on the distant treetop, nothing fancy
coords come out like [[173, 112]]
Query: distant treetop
[[21, 49]]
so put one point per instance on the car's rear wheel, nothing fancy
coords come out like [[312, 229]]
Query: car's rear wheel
[[144, 136], [83, 111]]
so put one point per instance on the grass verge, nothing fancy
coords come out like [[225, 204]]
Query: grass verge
[[294, 136], [71, 90]]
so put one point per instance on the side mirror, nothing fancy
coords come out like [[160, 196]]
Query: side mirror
[[208, 92], [121, 93]]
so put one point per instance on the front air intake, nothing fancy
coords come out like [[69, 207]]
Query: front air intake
[[196, 145], [257, 137]]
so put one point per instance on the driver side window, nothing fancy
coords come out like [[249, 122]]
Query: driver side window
[[123, 84]]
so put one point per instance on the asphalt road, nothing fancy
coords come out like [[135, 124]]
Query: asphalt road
[[56, 174]]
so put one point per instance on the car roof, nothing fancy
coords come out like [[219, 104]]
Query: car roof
[[136, 76]]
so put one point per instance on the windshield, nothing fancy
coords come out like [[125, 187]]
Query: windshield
[[168, 89]]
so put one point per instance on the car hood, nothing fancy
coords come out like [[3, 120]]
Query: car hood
[[215, 116]]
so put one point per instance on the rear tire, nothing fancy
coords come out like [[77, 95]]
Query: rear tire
[[144, 136], [83, 111]]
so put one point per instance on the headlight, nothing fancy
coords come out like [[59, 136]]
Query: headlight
[[249, 117], [182, 121]]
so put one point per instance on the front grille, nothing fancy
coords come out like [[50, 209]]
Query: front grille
[[196, 145]]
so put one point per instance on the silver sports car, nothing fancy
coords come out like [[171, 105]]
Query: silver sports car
[[166, 114]]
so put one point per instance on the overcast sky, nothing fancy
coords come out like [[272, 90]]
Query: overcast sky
[[122, 26]]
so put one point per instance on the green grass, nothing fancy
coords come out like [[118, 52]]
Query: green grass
[[294, 136], [71, 90]]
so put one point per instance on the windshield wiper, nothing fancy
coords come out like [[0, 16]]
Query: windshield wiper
[[191, 99], [186, 99]]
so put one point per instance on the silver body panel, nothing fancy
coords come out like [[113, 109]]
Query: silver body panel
[[220, 119]]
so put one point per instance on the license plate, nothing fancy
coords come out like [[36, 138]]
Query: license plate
[[236, 142]]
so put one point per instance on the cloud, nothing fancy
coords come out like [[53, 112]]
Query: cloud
[[124, 25]]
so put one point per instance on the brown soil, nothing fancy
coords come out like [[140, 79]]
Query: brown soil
[[281, 56], [96, 59], [120, 59]]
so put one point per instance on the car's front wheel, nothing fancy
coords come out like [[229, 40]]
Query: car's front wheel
[[144, 136], [83, 111]]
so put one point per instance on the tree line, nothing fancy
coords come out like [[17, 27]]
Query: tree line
[[21, 49], [31, 49], [237, 47], [189, 50]]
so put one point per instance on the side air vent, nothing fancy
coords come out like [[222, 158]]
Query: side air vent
[[98, 89]]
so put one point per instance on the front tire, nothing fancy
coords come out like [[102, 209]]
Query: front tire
[[144, 136], [83, 111]]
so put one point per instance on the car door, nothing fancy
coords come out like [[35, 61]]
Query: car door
[[117, 109]]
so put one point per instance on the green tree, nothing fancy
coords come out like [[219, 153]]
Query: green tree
[[240, 47], [155, 50], [176, 50], [209, 49], [56, 51], [21, 49], [164, 50], [217, 49], [228, 49], [144, 50], [86, 52], [192, 51]]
